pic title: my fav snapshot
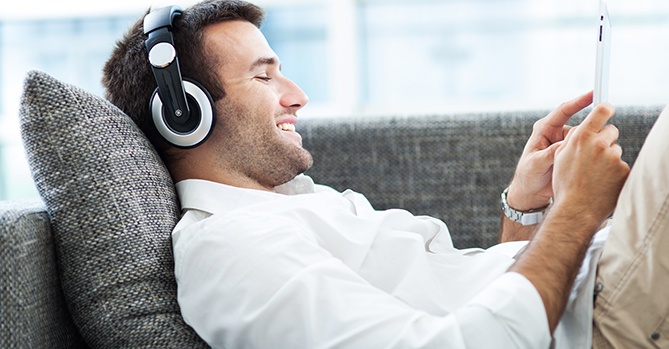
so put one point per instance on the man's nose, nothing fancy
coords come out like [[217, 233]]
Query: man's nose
[[293, 96]]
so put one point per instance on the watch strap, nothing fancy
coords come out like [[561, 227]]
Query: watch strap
[[530, 217]]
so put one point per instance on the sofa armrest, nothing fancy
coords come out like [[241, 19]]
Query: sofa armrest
[[34, 314]]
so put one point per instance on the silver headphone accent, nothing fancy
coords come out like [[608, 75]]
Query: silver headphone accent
[[181, 109]]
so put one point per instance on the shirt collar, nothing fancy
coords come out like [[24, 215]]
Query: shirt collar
[[213, 197]]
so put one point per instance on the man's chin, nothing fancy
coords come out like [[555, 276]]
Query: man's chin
[[301, 162], [305, 166], [309, 160]]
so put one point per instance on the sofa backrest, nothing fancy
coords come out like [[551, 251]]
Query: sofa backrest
[[453, 167]]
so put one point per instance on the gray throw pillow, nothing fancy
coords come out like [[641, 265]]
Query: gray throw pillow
[[112, 205]]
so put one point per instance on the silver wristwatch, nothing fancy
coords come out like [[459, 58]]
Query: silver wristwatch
[[530, 217]]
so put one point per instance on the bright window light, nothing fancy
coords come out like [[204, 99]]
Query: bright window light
[[364, 58]]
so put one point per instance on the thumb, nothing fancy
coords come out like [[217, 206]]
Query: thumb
[[549, 153]]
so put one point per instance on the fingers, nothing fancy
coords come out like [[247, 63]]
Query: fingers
[[550, 151], [618, 150], [566, 110], [566, 129], [598, 117], [610, 134]]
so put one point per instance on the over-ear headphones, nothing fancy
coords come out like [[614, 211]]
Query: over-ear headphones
[[182, 110]]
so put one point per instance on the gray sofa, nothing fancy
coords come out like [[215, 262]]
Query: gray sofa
[[89, 265]]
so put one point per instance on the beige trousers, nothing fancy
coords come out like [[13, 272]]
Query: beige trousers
[[632, 282]]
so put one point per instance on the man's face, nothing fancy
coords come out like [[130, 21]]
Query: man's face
[[255, 137]]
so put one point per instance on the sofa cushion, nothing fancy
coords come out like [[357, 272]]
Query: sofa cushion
[[33, 313], [113, 206]]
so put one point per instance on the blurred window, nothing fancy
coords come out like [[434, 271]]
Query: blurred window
[[369, 57]]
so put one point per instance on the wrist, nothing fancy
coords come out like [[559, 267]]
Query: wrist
[[522, 201], [582, 218], [524, 217]]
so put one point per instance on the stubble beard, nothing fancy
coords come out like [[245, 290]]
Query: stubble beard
[[260, 153]]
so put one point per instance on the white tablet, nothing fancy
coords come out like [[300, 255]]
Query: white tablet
[[603, 55]]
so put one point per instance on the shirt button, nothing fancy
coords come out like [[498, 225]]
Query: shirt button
[[598, 288], [655, 336]]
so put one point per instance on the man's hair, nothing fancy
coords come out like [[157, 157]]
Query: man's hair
[[127, 76]]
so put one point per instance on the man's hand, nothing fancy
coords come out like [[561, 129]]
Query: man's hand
[[531, 186], [589, 171], [588, 174]]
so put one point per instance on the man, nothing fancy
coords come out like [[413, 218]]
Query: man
[[266, 258]]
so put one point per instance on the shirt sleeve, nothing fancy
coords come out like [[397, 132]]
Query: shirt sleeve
[[245, 283]]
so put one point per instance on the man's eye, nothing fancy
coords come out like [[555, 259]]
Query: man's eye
[[264, 78]]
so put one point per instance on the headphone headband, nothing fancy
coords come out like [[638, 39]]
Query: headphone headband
[[162, 17]]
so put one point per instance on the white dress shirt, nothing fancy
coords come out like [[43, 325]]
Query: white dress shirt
[[309, 267]]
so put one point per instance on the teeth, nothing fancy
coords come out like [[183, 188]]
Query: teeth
[[286, 127]]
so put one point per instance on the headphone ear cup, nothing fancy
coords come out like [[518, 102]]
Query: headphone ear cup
[[190, 132]]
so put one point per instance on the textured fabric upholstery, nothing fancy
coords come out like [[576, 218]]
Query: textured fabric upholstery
[[34, 314], [112, 206], [453, 167]]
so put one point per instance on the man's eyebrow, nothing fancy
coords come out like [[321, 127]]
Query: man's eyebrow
[[263, 61]]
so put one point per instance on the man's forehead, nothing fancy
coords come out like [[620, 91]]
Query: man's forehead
[[239, 41]]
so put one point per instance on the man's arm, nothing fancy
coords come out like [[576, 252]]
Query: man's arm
[[513, 231], [587, 177]]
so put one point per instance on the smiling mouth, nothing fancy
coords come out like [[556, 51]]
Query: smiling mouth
[[286, 127]]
